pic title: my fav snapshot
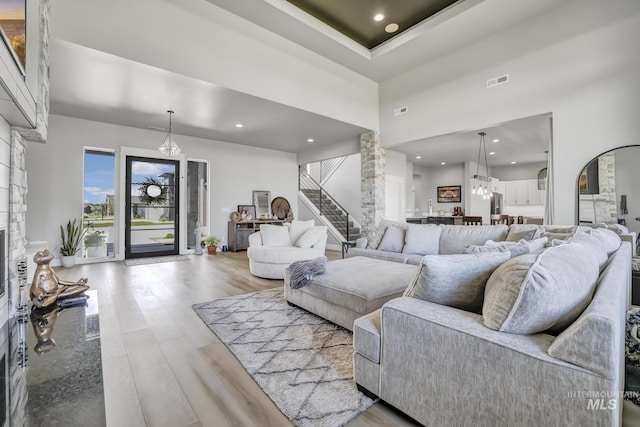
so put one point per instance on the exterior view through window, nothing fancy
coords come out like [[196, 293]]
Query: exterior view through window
[[98, 210]]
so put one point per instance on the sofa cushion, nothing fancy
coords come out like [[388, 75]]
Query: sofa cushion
[[381, 255], [454, 238], [281, 255], [393, 240], [422, 239], [366, 336], [360, 284], [275, 235], [312, 236], [455, 280], [609, 240], [536, 292], [513, 248], [593, 245], [537, 245], [297, 229], [518, 232]]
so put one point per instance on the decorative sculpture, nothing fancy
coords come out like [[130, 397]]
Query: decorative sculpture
[[47, 287]]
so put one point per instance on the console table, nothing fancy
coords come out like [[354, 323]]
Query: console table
[[238, 232]]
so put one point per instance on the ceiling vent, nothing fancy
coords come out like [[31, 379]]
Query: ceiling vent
[[497, 81], [400, 111]]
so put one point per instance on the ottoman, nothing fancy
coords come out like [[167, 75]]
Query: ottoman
[[351, 288]]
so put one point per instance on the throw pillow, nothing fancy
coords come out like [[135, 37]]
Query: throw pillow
[[538, 244], [513, 248], [455, 280], [609, 240], [422, 239], [310, 237], [274, 235], [538, 292], [393, 240], [298, 228], [516, 236], [455, 238], [593, 244], [382, 228]]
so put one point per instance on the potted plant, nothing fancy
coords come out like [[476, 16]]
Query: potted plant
[[212, 244], [96, 244], [71, 237]]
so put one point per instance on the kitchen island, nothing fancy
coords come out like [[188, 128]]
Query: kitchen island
[[445, 219]]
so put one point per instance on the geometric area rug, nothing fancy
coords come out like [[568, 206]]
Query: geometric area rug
[[301, 361]]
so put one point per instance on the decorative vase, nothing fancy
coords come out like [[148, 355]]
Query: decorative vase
[[212, 249], [68, 261]]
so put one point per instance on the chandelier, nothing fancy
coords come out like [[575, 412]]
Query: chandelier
[[479, 179], [169, 148]]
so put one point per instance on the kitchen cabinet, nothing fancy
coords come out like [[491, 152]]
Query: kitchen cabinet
[[523, 192]]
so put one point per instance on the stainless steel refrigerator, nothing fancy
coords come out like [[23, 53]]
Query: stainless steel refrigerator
[[496, 204]]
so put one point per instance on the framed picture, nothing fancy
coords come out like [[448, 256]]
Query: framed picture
[[13, 29], [449, 194], [589, 179], [247, 212]]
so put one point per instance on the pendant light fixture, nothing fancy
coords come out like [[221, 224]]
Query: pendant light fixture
[[169, 148], [478, 179]]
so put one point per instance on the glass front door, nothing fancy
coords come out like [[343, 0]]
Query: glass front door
[[152, 199]]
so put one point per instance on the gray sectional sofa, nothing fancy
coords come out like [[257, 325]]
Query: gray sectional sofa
[[476, 330], [508, 364]]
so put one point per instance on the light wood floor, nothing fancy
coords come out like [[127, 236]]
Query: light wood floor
[[162, 366]]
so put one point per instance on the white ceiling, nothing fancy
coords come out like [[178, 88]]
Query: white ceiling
[[94, 85], [463, 23], [523, 141], [106, 88]]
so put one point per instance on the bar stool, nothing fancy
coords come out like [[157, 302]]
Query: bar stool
[[472, 220], [499, 219]]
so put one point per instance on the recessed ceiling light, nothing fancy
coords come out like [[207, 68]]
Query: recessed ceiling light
[[239, 125], [391, 28], [310, 140], [491, 153], [378, 17], [418, 157], [513, 163], [496, 140], [443, 163]]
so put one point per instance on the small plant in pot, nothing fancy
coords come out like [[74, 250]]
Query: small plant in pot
[[95, 243], [212, 244], [71, 237]]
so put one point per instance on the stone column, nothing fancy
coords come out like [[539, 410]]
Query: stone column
[[371, 184], [17, 238]]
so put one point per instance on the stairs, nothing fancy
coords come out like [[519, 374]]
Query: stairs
[[333, 213]]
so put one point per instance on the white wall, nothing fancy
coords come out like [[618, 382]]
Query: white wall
[[5, 163], [579, 61], [517, 172], [55, 172], [344, 185], [198, 39]]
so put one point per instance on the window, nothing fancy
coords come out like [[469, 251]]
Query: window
[[197, 199], [99, 203]]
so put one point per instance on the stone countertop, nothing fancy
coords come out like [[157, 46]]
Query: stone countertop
[[64, 374]]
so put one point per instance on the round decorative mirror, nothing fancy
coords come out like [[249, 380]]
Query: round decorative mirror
[[154, 190]]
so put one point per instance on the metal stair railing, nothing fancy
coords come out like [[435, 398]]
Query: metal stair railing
[[328, 167], [308, 185]]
